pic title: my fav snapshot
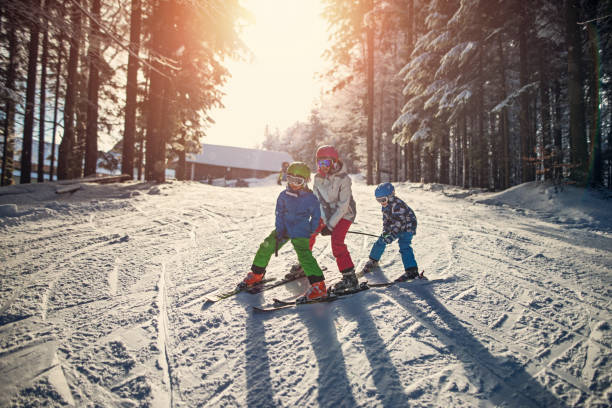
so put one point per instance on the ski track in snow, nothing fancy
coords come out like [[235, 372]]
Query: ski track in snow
[[102, 303]]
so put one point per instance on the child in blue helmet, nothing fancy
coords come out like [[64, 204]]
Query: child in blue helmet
[[399, 222]]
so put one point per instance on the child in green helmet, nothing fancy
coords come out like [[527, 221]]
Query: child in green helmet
[[297, 218]]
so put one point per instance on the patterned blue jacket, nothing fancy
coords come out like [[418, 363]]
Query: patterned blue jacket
[[397, 217], [297, 213]]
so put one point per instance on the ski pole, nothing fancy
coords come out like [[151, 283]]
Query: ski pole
[[276, 246], [362, 233]]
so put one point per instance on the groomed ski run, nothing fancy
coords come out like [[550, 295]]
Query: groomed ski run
[[101, 295]]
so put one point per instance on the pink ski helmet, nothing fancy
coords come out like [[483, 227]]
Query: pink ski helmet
[[327, 152]]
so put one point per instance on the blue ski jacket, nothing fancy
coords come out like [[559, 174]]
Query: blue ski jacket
[[297, 213]]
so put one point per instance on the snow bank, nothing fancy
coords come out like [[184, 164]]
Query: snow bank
[[562, 204]]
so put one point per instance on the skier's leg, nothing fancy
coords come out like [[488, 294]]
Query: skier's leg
[[311, 269], [410, 264], [377, 249], [343, 257], [339, 248], [265, 252], [375, 254], [405, 241], [297, 271]]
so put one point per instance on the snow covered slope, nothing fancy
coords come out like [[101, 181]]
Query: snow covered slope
[[102, 302]]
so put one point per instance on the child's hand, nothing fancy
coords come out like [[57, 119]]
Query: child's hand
[[326, 231]]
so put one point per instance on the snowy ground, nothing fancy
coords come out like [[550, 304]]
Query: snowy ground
[[102, 302]]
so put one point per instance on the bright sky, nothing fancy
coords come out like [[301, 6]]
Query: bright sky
[[278, 87]]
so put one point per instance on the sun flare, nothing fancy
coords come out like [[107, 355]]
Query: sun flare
[[278, 86]]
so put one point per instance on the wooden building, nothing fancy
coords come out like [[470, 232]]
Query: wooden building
[[217, 161]]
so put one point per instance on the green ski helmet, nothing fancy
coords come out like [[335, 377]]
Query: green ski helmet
[[299, 169]]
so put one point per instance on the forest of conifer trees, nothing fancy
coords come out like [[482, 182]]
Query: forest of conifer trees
[[148, 70], [474, 93]]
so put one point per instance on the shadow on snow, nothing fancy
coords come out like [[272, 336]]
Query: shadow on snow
[[514, 386]]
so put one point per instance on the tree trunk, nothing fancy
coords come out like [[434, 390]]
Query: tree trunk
[[545, 114], [43, 94], [410, 160], [60, 51], [408, 156], [483, 145], [417, 154], [445, 157], [406, 161], [396, 160], [142, 134], [380, 142], [91, 139], [465, 171], [81, 121], [9, 113], [578, 143], [526, 148], [493, 175], [127, 162], [370, 97], [181, 164], [459, 153], [67, 146], [452, 157], [140, 158], [557, 155], [28, 125], [503, 121], [596, 162], [430, 155], [155, 160]]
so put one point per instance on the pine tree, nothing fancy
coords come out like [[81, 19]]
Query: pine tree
[[127, 160], [28, 126]]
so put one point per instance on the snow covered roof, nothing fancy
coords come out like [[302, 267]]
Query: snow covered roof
[[240, 157]]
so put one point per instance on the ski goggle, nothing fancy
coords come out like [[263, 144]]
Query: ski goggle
[[296, 180], [382, 200], [325, 162]]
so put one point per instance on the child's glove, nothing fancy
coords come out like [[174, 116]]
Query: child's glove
[[326, 231], [388, 238]]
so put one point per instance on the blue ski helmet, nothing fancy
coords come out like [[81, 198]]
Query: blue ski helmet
[[384, 190]]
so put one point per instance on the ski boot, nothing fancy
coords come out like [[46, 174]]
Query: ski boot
[[296, 272], [316, 291], [251, 279], [411, 273], [349, 282], [369, 266]]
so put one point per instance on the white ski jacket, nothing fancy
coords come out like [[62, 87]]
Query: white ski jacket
[[335, 195]]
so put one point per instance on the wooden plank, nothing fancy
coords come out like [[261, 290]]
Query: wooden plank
[[100, 179], [111, 179], [68, 189]]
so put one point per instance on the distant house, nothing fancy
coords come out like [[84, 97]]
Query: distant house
[[217, 161]]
